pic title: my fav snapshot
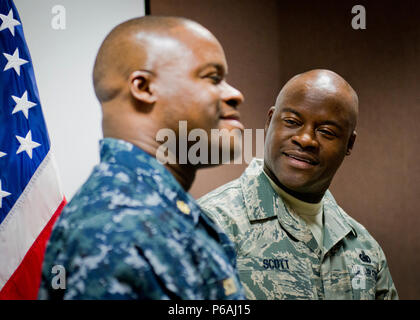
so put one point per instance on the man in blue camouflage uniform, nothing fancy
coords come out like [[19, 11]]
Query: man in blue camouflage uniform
[[292, 239], [132, 231]]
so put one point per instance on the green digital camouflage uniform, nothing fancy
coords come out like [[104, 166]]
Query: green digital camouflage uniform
[[277, 255]]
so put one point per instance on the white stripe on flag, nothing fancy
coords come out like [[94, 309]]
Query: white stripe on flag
[[29, 216]]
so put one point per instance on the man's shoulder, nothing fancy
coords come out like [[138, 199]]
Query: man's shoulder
[[102, 222], [226, 199], [233, 191], [98, 194], [362, 232], [363, 236], [230, 204], [234, 188], [110, 199], [226, 206], [226, 191]]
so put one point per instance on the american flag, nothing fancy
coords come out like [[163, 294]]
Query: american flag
[[30, 192]]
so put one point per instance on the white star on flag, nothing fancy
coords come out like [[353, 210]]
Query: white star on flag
[[26, 144], [9, 22], [23, 104], [3, 194], [13, 61], [2, 154]]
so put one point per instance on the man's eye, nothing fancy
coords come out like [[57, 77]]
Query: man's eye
[[327, 133], [215, 78], [290, 121]]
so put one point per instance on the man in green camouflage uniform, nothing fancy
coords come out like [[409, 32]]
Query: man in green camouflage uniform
[[292, 239], [133, 231]]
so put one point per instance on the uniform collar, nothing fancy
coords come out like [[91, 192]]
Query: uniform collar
[[337, 224], [262, 202], [150, 171]]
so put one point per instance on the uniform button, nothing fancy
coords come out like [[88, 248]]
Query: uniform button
[[183, 207]]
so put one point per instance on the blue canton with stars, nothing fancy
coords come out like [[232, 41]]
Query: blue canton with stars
[[24, 141]]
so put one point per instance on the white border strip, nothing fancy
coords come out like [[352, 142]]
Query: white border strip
[[29, 216]]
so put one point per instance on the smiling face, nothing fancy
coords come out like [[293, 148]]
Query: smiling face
[[309, 132], [191, 82]]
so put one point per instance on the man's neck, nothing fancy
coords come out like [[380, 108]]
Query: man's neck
[[183, 173], [127, 127], [306, 197]]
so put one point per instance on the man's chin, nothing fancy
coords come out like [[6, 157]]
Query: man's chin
[[302, 187], [293, 181], [230, 125], [216, 157]]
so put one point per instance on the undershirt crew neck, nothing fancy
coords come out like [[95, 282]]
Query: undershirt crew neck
[[311, 213]]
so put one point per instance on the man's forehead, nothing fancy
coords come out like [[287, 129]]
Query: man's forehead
[[326, 83], [319, 91], [188, 47], [315, 101], [203, 44], [325, 105], [321, 80]]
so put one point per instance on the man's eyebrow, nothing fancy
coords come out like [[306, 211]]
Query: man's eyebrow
[[287, 109]]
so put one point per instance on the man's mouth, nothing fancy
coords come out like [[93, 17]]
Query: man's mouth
[[232, 120], [302, 157]]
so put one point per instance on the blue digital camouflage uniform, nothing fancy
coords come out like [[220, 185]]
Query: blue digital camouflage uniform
[[277, 255], [132, 232]]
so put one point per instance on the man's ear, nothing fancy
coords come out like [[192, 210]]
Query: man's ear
[[351, 142], [269, 116], [140, 86]]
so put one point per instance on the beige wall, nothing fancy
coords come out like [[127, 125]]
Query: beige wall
[[63, 62], [267, 42]]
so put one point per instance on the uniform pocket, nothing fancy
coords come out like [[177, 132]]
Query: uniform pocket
[[337, 285], [274, 278], [355, 284], [363, 282]]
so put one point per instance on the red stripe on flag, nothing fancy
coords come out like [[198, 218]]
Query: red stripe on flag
[[25, 281]]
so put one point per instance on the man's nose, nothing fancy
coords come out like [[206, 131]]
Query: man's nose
[[306, 139], [232, 96]]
